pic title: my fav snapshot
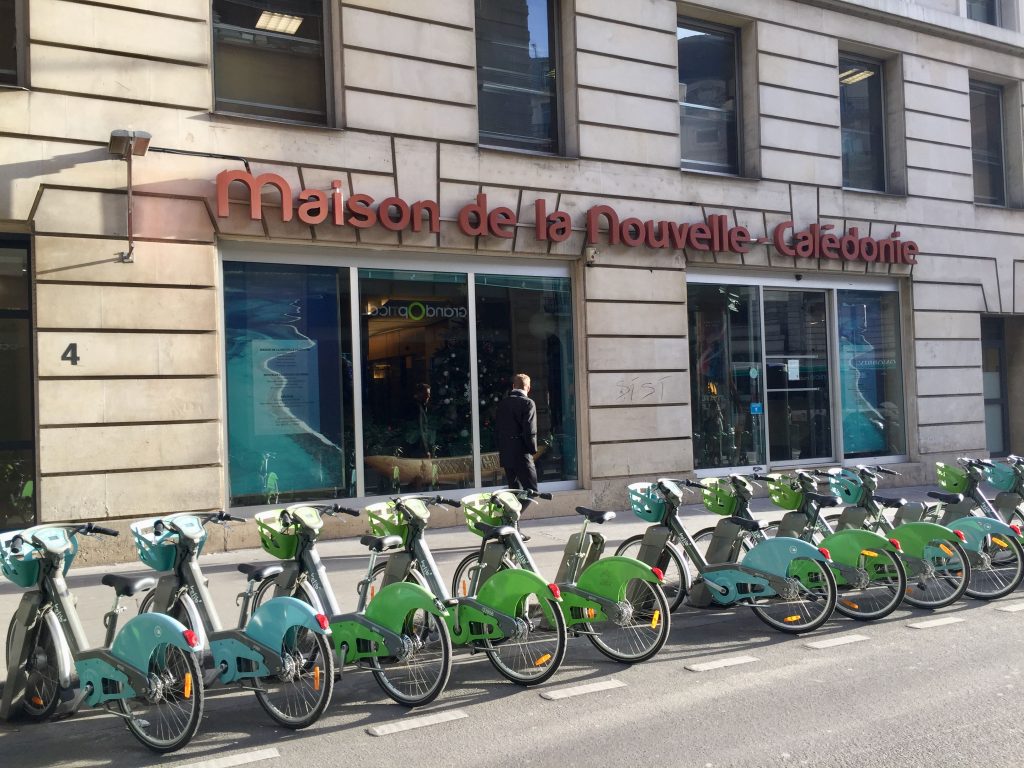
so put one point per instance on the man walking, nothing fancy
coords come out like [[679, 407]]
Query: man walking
[[517, 435]]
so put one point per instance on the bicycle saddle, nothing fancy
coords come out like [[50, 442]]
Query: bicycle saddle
[[259, 572], [596, 516], [380, 543], [126, 586], [747, 524], [494, 531], [946, 498], [890, 503], [824, 499]]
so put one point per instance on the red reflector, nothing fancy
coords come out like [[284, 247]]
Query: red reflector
[[1016, 529], [322, 621], [555, 591], [960, 535], [191, 638], [659, 573], [896, 543], [825, 552]]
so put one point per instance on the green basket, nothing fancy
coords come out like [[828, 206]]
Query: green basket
[[952, 479], [718, 496], [784, 492], [1001, 476], [646, 502], [481, 508], [23, 570], [847, 486], [385, 520], [275, 541]]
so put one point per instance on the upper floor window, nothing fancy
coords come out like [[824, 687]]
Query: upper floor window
[[708, 97], [269, 59], [863, 120], [9, 52], [517, 73], [987, 143], [986, 11]]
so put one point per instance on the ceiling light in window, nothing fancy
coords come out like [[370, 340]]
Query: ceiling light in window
[[279, 22], [851, 76]]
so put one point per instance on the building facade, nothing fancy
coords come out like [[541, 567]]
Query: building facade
[[263, 251]]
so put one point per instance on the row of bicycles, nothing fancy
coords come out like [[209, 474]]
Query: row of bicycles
[[292, 638]]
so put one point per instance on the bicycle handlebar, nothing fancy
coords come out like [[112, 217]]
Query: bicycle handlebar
[[90, 528], [345, 510], [222, 517]]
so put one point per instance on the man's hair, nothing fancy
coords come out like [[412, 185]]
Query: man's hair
[[520, 381]]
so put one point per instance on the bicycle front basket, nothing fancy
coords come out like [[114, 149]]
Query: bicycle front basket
[[847, 486], [718, 496], [23, 568], [481, 508], [646, 502], [952, 479], [276, 542], [784, 492], [385, 520], [1001, 476]]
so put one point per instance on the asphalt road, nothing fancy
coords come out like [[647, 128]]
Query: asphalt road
[[951, 694]]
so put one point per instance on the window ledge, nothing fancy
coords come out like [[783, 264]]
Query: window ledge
[[527, 152], [717, 175], [9, 87], [875, 193], [998, 207], [236, 116]]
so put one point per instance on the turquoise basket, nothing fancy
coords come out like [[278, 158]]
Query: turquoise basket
[[646, 503], [1002, 477], [847, 486]]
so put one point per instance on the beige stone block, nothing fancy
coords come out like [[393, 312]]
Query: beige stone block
[[662, 457], [656, 14], [937, 101], [947, 410], [639, 388], [394, 114], [627, 76], [131, 494], [932, 353], [611, 424], [90, 260], [805, 75], [378, 187], [145, 446], [600, 143], [416, 178], [120, 77], [805, 169], [628, 111], [637, 354], [797, 105], [944, 297], [630, 42], [789, 41], [97, 401], [785, 134], [193, 9], [938, 128], [458, 12], [942, 269], [924, 155], [946, 186], [635, 284], [949, 381], [936, 73], [947, 325], [111, 307], [129, 354], [109, 29], [953, 438], [379, 32], [391, 75], [611, 319]]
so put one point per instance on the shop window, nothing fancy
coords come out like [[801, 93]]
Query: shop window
[[863, 123], [11, 51], [517, 74], [871, 374], [269, 59], [289, 377], [985, 11], [987, 143], [524, 325], [17, 422], [708, 97]]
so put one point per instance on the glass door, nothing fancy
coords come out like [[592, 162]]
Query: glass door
[[796, 342]]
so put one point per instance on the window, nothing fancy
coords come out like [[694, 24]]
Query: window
[[986, 11], [708, 98], [517, 73], [17, 422], [269, 59], [987, 143], [10, 53], [863, 120]]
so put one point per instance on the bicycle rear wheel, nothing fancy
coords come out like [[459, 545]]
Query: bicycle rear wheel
[[421, 673], [811, 607], [672, 564], [536, 651], [166, 716], [642, 629], [884, 592], [297, 696], [940, 577], [42, 684], [997, 570]]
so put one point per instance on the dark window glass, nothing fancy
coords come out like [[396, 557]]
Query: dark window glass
[[863, 118], [8, 43], [986, 11], [289, 372], [708, 99], [269, 59], [17, 419], [987, 143], [517, 73], [524, 325]]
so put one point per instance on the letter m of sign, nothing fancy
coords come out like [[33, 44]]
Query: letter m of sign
[[255, 185]]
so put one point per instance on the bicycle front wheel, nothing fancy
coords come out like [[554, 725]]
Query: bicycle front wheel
[[811, 604], [296, 696], [42, 673], [463, 579], [537, 649], [884, 592], [997, 570], [642, 629], [940, 577], [166, 716], [671, 563], [421, 673]]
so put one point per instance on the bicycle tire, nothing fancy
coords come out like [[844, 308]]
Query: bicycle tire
[[307, 663], [460, 580], [854, 603], [403, 679], [527, 661], [1003, 577], [647, 631], [672, 563], [158, 719], [794, 623], [703, 538], [954, 573], [42, 684]]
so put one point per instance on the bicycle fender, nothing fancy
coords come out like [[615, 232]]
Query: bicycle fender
[[65, 660], [775, 555], [914, 537], [143, 634], [277, 616], [609, 576], [846, 546], [390, 607], [505, 590], [975, 529]]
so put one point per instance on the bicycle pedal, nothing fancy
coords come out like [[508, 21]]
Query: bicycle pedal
[[524, 537]]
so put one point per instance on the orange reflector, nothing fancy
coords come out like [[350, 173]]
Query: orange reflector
[[791, 619], [868, 553], [373, 591], [591, 613], [946, 549], [37, 701], [655, 619], [542, 660], [187, 692], [465, 588], [999, 542], [316, 677], [851, 604]]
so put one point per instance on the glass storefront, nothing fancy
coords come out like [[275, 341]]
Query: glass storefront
[[436, 351], [784, 376]]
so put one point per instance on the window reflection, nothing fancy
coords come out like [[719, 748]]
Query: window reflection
[[17, 420], [708, 99], [987, 143], [860, 99]]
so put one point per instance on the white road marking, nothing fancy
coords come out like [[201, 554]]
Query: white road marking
[[732, 661], [580, 690], [833, 642], [233, 760], [409, 723], [934, 623], [1012, 608]]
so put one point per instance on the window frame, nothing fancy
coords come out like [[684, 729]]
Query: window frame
[[883, 118], [20, 21], [736, 33], [996, 10], [330, 53], [998, 90]]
